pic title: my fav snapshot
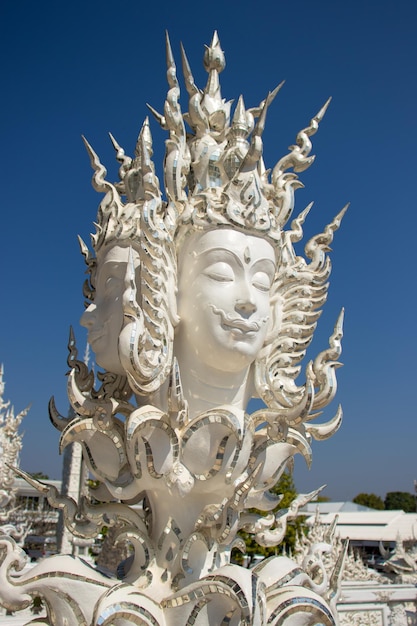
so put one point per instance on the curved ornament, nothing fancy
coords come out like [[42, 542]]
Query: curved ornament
[[179, 480]]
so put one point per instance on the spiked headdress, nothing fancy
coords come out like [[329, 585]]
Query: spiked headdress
[[214, 177]]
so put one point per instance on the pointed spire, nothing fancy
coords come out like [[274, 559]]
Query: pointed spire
[[196, 117], [100, 172], [336, 577], [271, 96], [120, 153], [260, 124], [323, 110], [214, 63], [145, 152], [190, 85], [239, 126], [171, 67], [214, 56], [145, 138], [149, 179], [125, 161], [168, 51], [275, 91], [158, 116]]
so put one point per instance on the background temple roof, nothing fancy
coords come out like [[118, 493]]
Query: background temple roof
[[372, 526]]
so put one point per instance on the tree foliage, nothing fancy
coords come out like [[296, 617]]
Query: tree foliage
[[39, 476], [401, 500], [394, 501], [369, 499], [285, 487]]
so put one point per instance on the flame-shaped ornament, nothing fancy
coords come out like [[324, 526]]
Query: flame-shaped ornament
[[196, 302]]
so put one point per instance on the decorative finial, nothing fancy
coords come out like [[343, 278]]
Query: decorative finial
[[214, 59]]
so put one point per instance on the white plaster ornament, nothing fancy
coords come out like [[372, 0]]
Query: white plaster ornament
[[12, 521], [196, 304]]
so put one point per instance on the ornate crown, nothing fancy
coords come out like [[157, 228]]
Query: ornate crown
[[214, 176], [214, 171]]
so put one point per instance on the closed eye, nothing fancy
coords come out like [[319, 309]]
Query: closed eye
[[221, 278], [220, 272], [262, 281]]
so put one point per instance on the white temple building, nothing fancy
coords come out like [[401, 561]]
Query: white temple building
[[33, 504], [368, 528]]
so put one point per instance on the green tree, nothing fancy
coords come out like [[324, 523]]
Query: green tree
[[39, 476], [286, 487], [322, 499], [369, 499], [395, 500]]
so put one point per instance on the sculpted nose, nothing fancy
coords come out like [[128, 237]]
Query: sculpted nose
[[88, 317], [245, 307]]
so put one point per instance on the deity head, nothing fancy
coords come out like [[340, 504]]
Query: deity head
[[131, 283], [224, 283], [103, 318], [213, 282]]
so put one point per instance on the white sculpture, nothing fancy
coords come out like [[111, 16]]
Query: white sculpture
[[401, 563], [324, 541], [197, 303], [11, 521]]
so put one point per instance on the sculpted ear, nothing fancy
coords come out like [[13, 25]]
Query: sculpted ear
[[275, 319], [172, 298]]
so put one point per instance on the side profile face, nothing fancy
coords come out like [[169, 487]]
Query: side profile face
[[103, 318], [223, 298]]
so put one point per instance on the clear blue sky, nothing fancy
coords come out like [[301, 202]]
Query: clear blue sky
[[89, 68]]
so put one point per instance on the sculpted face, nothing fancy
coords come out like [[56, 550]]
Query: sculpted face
[[223, 301], [104, 317], [223, 298]]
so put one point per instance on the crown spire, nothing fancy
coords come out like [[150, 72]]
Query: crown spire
[[221, 162], [196, 117], [241, 125], [214, 62]]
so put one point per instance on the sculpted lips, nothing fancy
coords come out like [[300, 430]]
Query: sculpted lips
[[95, 336], [239, 323]]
